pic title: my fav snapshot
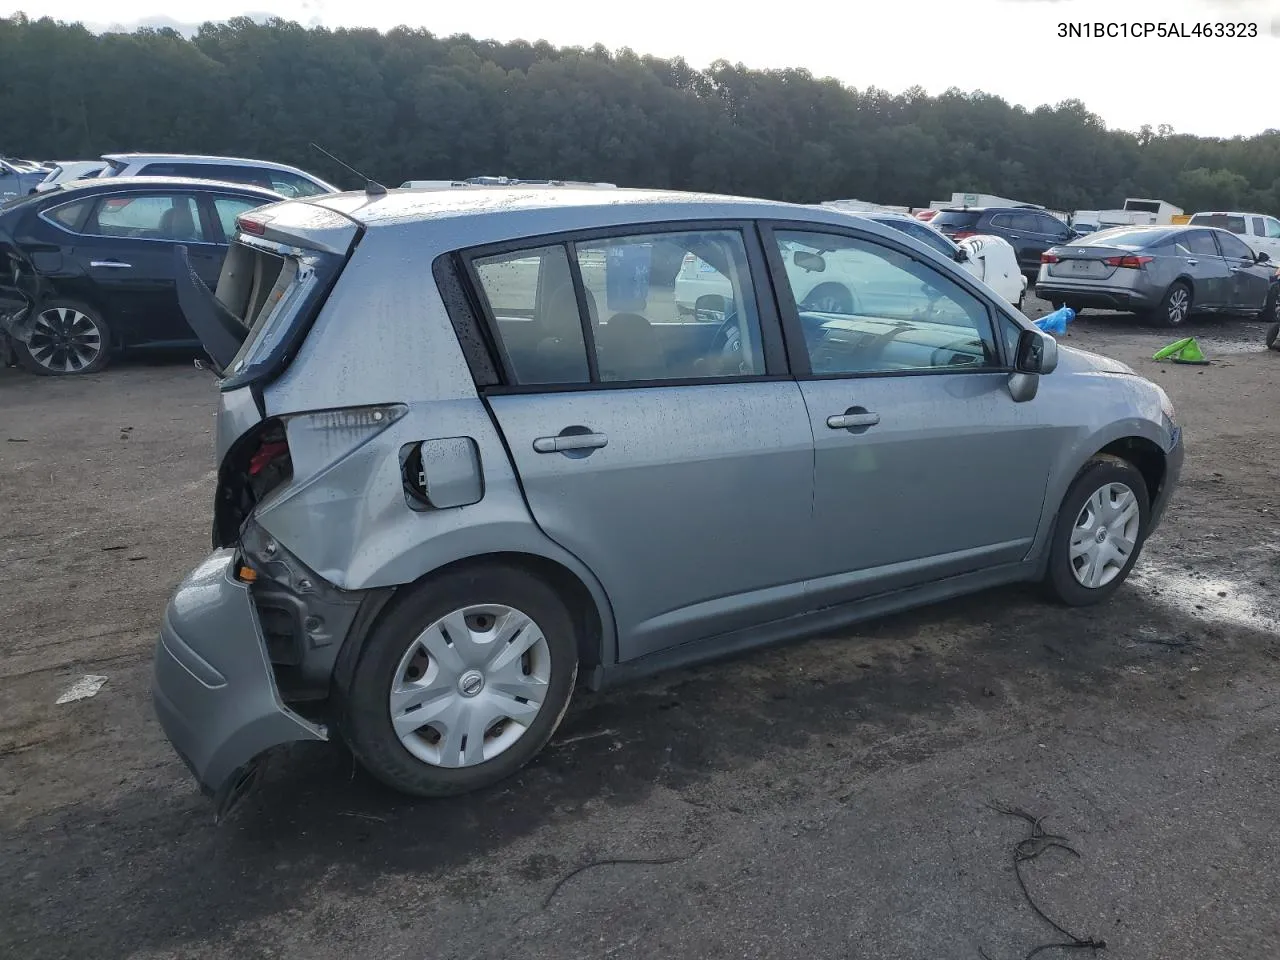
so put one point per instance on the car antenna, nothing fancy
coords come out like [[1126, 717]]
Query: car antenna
[[372, 187]]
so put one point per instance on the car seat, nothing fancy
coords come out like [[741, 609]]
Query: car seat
[[629, 349], [176, 223]]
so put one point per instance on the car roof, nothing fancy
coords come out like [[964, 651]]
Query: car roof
[[197, 158], [482, 216], [1225, 213], [137, 184]]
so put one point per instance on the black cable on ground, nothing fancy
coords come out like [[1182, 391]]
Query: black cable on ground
[[651, 861], [1029, 848]]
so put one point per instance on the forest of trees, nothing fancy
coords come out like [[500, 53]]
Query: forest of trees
[[408, 105]]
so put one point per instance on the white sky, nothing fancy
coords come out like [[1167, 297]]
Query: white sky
[[1214, 87]]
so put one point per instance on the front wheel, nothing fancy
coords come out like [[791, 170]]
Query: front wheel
[[1100, 530], [1273, 337], [462, 682]]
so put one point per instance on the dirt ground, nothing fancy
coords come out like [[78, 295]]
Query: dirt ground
[[829, 798]]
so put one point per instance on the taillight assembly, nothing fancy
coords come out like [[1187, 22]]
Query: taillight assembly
[[1050, 258], [1130, 261], [255, 227]]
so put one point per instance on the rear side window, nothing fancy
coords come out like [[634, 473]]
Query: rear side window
[[1259, 227], [1201, 243], [69, 215], [659, 306], [147, 217], [534, 309]]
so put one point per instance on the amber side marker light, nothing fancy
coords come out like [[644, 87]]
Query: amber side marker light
[[247, 574]]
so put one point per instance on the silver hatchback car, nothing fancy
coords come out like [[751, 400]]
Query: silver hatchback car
[[471, 452]]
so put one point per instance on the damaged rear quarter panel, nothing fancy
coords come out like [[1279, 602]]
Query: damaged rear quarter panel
[[344, 513]]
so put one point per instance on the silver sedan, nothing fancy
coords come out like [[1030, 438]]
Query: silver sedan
[[1162, 273]]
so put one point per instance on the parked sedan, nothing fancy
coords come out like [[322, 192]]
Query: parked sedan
[[88, 268], [1161, 273]]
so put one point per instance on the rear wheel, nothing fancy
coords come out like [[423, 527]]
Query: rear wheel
[[462, 682], [1175, 306], [1099, 534], [1273, 336], [67, 338]]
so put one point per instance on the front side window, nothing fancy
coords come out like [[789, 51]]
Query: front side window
[[228, 208], [865, 308], [1234, 247], [1273, 228], [147, 217]]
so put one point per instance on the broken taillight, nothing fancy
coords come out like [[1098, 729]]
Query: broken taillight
[[266, 454]]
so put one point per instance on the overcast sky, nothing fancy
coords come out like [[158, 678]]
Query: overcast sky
[[1216, 87]]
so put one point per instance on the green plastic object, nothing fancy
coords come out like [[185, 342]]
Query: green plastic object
[[1185, 350]]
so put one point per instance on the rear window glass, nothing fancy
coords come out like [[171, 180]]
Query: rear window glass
[[1129, 239], [1220, 220], [68, 215], [957, 218]]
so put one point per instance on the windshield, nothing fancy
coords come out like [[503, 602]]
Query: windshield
[[1120, 237]]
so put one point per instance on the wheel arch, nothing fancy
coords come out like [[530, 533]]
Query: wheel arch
[[594, 632], [1133, 440]]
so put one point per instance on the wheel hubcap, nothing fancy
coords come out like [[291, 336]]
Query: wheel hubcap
[[1178, 305], [470, 685], [64, 340], [1105, 535]]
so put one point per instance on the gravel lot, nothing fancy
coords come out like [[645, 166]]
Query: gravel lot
[[829, 798]]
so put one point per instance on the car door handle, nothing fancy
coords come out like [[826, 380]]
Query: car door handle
[[571, 441], [1193, 263], [844, 421], [113, 264]]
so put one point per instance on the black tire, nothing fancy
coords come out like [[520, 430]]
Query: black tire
[[1271, 309], [366, 720], [829, 297], [80, 324], [1273, 336], [1175, 306], [1060, 578]]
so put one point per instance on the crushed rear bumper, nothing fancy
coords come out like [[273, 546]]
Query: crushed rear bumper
[[212, 683]]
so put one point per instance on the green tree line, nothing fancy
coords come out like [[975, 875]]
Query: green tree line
[[409, 105]]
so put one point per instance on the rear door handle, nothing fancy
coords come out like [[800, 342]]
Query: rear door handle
[[114, 264], [844, 421], [572, 441]]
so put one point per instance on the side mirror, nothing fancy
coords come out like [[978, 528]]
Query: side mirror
[[962, 255], [1263, 257], [1037, 353]]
